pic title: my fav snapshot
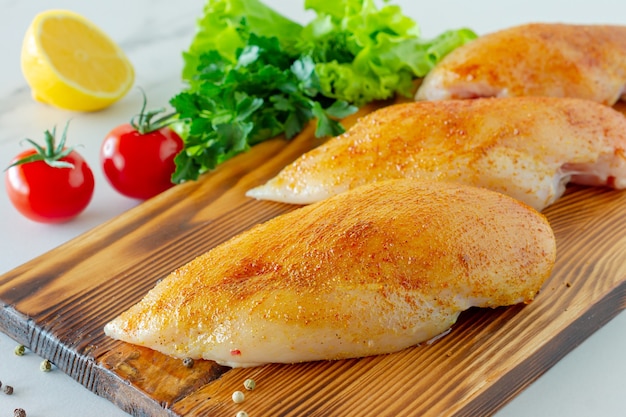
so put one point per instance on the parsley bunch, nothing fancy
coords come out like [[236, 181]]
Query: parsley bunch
[[232, 106]]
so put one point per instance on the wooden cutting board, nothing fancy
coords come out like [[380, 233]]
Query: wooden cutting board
[[58, 303]]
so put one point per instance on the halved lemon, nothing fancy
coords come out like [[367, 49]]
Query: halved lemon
[[70, 63]]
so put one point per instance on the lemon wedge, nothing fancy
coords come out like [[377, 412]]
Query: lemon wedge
[[70, 63]]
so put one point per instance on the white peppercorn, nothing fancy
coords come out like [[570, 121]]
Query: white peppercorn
[[238, 397]]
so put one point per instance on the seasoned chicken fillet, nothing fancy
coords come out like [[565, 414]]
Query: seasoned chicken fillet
[[560, 60], [370, 271], [526, 147]]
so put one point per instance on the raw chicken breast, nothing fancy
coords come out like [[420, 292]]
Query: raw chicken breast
[[371, 271], [582, 61], [526, 147]]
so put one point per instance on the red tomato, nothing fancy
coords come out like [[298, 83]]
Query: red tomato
[[48, 194], [140, 165]]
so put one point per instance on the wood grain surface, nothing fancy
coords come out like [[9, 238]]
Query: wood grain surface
[[58, 303]]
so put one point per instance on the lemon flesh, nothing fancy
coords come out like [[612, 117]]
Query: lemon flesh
[[70, 63]]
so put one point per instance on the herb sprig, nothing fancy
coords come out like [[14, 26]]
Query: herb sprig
[[233, 106]]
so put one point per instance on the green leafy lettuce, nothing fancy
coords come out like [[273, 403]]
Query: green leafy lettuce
[[364, 53], [219, 29], [253, 74]]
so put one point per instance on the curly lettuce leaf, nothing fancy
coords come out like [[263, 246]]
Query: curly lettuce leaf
[[220, 29], [365, 53]]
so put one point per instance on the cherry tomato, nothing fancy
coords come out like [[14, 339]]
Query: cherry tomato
[[140, 165], [49, 185], [137, 158]]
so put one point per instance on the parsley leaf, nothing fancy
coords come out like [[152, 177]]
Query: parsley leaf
[[231, 106]]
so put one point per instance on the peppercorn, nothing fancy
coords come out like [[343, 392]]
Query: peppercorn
[[249, 384], [188, 362], [46, 366], [19, 350], [8, 390], [19, 412], [238, 397]]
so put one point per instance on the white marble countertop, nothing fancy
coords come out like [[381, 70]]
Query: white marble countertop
[[590, 381]]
